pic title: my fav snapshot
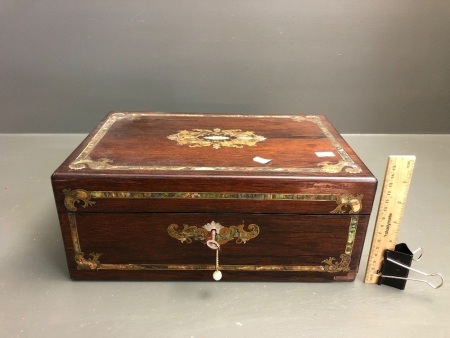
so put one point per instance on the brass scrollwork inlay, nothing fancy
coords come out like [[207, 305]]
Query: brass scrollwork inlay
[[348, 200], [334, 168], [77, 196], [83, 263], [100, 164], [216, 138], [331, 265], [87, 263], [190, 232]]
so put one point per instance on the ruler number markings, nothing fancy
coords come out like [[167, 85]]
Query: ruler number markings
[[390, 212]]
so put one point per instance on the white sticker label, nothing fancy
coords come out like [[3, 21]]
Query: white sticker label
[[261, 160], [325, 154]]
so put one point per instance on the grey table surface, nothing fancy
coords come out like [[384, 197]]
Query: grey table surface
[[37, 298]]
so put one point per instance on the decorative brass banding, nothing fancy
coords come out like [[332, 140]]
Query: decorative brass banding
[[334, 168], [331, 264], [100, 164], [83, 263], [215, 139], [350, 202], [207, 267], [351, 235]]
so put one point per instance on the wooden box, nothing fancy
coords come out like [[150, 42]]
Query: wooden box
[[152, 196]]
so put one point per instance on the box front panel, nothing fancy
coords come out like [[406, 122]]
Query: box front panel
[[158, 246]]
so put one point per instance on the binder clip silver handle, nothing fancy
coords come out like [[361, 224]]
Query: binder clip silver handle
[[397, 264], [417, 252], [418, 271]]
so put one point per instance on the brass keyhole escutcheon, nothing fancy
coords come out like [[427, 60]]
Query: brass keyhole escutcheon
[[214, 235]]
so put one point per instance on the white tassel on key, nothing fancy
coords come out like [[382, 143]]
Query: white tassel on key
[[217, 275], [212, 244]]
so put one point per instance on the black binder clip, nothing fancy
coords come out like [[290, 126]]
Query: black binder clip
[[396, 267]]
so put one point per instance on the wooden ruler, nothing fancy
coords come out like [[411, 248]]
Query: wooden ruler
[[390, 212]]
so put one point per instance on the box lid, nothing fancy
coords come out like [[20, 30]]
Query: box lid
[[238, 156]]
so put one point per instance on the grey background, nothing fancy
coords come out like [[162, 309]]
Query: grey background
[[370, 66], [37, 298]]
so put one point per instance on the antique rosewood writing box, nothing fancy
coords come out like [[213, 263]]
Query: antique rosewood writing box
[[156, 196]]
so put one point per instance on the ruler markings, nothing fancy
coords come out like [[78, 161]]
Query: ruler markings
[[390, 212]]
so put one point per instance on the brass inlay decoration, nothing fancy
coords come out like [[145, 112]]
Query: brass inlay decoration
[[348, 200], [84, 159], [77, 196], [100, 164], [83, 263], [331, 265], [333, 168], [216, 138], [190, 267], [189, 233], [87, 264], [354, 201], [203, 234], [327, 166], [351, 235]]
